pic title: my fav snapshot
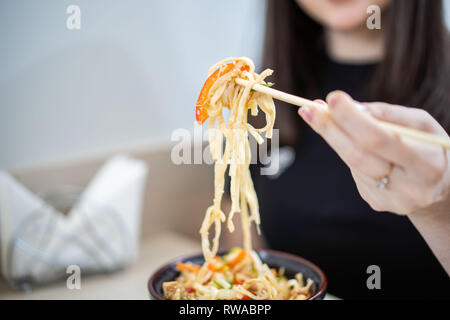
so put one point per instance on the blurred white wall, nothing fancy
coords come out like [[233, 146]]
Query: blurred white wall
[[447, 12], [130, 75]]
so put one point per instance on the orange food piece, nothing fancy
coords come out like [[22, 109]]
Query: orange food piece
[[241, 256], [274, 272], [215, 268], [187, 267], [218, 266], [201, 108]]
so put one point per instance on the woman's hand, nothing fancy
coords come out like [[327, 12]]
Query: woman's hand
[[416, 174]]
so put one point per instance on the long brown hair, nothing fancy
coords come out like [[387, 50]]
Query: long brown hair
[[414, 70]]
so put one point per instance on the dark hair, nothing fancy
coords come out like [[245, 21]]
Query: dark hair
[[414, 70]]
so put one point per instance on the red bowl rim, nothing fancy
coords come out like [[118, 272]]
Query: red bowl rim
[[320, 292]]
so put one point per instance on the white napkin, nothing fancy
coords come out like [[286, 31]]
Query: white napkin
[[100, 233]]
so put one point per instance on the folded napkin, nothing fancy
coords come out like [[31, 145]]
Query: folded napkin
[[100, 232]]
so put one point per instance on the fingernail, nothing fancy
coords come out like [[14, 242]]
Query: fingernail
[[361, 107], [334, 100], [320, 101], [306, 114]]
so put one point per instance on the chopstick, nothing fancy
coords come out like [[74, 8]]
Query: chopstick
[[395, 128]]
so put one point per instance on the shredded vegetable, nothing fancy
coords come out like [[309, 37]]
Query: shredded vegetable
[[248, 280]]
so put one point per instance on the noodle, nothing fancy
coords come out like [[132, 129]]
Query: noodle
[[239, 274], [224, 92]]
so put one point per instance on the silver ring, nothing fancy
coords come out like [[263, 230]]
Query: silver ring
[[382, 183]]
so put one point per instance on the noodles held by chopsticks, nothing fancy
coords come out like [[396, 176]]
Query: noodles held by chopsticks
[[223, 92], [240, 273]]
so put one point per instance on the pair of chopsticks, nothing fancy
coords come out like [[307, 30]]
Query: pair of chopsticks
[[300, 102]]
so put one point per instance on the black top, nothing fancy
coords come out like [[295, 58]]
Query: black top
[[314, 210]]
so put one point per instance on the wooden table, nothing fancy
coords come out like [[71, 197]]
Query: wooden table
[[128, 284]]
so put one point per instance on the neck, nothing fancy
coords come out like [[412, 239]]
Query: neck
[[359, 45]]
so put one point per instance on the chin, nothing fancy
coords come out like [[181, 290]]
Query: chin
[[344, 21]]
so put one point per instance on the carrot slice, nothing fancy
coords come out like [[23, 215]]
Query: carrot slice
[[188, 267], [218, 265], [215, 268], [242, 254], [201, 112]]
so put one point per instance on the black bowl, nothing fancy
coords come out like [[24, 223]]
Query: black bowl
[[274, 259]]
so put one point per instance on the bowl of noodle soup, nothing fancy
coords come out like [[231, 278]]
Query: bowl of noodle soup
[[291, 264]]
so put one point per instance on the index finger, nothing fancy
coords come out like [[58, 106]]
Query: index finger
[[405, 116], [364, 129]]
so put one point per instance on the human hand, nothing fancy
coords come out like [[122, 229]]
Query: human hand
[[392, 173]]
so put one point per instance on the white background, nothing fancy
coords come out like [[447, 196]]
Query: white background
[[130, 76]]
